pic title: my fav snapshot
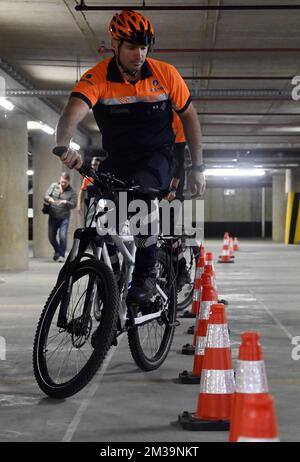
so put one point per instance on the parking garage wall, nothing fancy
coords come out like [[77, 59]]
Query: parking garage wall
[[238, 211]]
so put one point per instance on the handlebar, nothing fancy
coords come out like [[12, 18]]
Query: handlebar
[[109, 181]]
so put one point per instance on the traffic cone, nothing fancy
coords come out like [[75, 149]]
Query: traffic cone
[[202, 251], [217, 379], [189, 349], [209, 297], [225, 257], [209, 260], [257, 420], [231, 251], [199, 272], [251, 380], [236, 246], [226, 238]]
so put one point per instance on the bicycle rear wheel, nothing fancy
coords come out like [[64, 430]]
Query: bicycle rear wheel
[[185, 295], [64, 360], [150, 343]]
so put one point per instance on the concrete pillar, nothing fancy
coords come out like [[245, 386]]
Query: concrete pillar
[[47, 169], [279, 201], [292, 187], [13, 192], [292, 180]]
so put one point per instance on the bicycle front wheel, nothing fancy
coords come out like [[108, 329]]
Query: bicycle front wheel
[[150, 343], [66, 358]]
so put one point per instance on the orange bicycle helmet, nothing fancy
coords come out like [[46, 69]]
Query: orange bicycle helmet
[[132, 27]]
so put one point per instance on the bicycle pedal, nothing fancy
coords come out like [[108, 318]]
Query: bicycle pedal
[[175, 324]]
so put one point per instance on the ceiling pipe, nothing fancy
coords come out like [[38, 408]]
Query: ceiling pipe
[[84, 7]]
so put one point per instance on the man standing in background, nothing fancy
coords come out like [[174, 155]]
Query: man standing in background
[[62, 198]]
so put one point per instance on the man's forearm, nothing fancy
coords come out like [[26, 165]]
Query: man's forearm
[[192, 131], [65, 131]]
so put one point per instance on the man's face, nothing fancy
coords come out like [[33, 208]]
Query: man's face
[[64, 183], [132, 56]]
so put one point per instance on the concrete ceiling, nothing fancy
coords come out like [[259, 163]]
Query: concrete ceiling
[[51, 44]]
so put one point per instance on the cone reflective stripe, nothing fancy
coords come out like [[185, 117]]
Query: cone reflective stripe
[[217, 382], [217, 379], [251, 382], [200, 267], [196, 296], [251, 377], [258, 423], [236, 246]]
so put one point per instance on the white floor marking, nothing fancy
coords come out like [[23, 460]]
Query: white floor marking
[[86, 402], [279, 324]]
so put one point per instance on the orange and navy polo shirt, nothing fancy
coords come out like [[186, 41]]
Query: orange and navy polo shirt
[[134, 118], [178, 129]]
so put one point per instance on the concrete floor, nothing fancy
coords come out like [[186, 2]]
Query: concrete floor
[[124, 404]]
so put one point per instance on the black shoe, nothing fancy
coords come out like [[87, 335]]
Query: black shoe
[[56, 256], [143, 288], [183, 277]]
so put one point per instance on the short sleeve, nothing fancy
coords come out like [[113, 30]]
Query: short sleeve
[[178, 90], [88, 88]]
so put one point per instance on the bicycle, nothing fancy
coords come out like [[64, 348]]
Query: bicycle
[[87, 311]]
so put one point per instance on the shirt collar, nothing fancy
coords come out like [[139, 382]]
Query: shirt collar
[[114, 74]]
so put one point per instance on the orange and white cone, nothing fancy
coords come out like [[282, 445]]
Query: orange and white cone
[[189, 349], [199, 271], [258, 423], [202, 251], [226, 238], [209, 260], [231, 250], [209, 297], [225, 257], [236, 246], [217, 379], [251, 387]]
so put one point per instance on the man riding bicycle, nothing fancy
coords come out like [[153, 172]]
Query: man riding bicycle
[[132, 98]]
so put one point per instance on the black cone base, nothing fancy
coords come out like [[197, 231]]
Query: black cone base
[[188, 379], [188, 422], [188, 350], [191, 330], [188, 314]]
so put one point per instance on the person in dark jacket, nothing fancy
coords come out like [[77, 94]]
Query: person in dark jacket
[[62, 198]]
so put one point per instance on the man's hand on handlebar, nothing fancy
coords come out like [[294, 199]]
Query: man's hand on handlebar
[[72, 159], [197, 183]]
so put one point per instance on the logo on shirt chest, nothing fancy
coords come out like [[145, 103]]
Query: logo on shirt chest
[[156, 86]]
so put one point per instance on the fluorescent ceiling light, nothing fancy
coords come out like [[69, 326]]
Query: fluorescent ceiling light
[[6, 104], [234, 172], [74, 146], [30, 172], [47, 129], [34, 125]]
